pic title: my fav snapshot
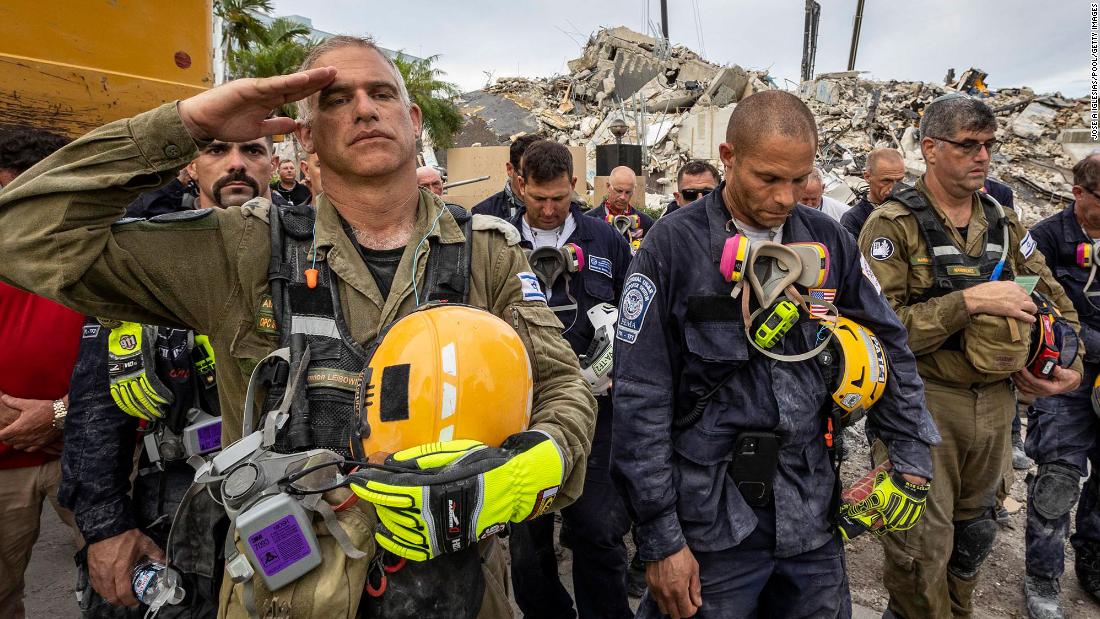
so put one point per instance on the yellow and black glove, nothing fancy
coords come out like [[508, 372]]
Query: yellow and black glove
[[131, 369], [893, 505], [444, 497]]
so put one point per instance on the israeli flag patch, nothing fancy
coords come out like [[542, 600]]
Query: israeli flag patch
[[599, 265], [529, 285], [638, 293], [1027, 246]]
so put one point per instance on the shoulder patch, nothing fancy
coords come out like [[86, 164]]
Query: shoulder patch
[[599, 264], [1027, 245], [882, 248], [869, 274], [488, 222], [90, 332], [638, 293], [529, 285]]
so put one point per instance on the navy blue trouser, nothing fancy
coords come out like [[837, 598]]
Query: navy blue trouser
[[749, 581], [1064, 429], [593, 528]]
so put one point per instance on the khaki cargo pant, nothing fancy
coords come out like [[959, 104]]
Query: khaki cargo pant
[[968, 469], [22, 493]]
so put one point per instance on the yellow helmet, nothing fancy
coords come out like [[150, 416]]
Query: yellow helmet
[[861, 375], [441, 373]]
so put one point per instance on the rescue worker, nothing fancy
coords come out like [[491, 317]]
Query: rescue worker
[[123, 522], [582, 264], [885, 167], [209, 271], [507, 202], [428, 178], [1063, 430], [752, 535], [694, 180], [947, 258], [621, 184], [815, 197]]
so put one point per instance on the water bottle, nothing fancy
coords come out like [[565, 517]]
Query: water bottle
[[155, 584]]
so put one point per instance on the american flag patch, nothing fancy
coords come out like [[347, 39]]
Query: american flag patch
[[825, 294]]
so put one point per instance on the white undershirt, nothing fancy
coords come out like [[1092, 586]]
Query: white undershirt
[[550, 238], [760, 234]]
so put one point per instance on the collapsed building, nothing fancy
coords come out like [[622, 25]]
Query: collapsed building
[[676, 105]]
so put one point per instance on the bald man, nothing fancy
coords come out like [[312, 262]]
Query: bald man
[[428, 178], [753, 536], [620, 189], [815, 197], [884, 169]]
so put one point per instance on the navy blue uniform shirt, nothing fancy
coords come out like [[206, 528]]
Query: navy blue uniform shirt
[[680, 334], [1057, 237]]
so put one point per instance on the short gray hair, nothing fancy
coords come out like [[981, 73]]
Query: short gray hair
[[340, 41], [816, 174], [947, 115]]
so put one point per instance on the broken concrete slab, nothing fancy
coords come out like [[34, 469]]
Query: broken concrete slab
[[727, 86], [1031, 122], [1078, 143], [703, 129]]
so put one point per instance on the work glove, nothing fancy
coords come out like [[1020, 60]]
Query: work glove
[[894, 504], [202, 356], [444, 497], [131, 369]]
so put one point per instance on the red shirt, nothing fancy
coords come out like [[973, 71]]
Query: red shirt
[[39, 340]]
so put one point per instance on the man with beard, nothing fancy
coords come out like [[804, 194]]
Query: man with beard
[[97, 467], [211, 270]]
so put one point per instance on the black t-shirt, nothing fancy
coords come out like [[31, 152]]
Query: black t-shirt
[[296, 195], [382, 263]]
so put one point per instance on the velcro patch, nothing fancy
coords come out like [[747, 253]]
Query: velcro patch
[[638, 293], [265, 317], [882, 248], [529, 285], [1027, 245], [599, 265], [90, 332]]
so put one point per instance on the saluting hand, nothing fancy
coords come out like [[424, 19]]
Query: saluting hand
[[238, 111]]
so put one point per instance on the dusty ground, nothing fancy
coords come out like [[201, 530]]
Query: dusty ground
[[1000, 593]]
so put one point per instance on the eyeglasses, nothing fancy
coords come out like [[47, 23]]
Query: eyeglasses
[[692, 194], [972, 147]]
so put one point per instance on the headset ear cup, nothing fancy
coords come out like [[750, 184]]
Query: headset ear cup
[[574, 257], [735, 255]]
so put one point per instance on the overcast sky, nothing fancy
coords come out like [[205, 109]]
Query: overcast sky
[[1018, 42]]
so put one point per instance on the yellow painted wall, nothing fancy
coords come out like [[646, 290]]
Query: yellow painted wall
[[72, 65]]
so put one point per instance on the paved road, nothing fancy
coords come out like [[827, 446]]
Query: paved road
[[51, 575]]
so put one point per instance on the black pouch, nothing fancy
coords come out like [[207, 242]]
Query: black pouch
[[755, 459]]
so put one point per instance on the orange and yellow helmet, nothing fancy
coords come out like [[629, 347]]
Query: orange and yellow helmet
[[440, 373]]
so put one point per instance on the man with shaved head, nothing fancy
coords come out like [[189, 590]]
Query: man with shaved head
[[720, 450], [885, 167], [620, 189], [428, 178]]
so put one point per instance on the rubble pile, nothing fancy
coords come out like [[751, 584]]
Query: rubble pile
[[1041, 136], [676, 104]]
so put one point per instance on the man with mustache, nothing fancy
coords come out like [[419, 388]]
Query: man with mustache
[[232, 173], [378, 247], [947, 258]]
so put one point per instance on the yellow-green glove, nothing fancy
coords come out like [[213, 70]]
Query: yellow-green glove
[[131, 369], [202, 356], [897, 502], [444, 497]]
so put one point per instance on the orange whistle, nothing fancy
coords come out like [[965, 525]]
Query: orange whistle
[[311, 277]]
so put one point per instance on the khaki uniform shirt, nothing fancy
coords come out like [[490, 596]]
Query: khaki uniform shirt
[[907, 273]]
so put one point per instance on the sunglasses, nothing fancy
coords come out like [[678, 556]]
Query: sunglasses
[[694, 194], [972, 147]]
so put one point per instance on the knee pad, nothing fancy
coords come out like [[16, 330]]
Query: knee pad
[[1055, 490], [973, 543]]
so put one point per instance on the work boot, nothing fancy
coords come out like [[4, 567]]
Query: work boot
[[635, 578], [1087, 566], [1043, 600], [1020, 461]]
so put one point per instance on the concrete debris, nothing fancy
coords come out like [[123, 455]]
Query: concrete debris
[[676, 104]]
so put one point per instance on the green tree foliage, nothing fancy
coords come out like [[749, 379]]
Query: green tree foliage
[[242, 25], [278, 50], [435, 97]]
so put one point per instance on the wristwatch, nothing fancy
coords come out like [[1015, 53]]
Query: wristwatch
[[60, 411]]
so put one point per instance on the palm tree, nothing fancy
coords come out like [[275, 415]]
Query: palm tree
[[435, 97], [241, 21], [279, 49]]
